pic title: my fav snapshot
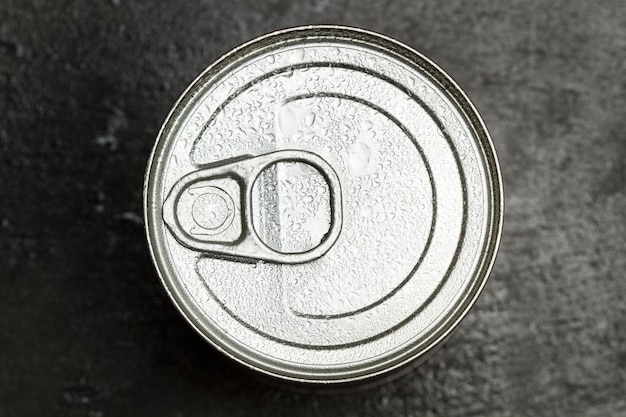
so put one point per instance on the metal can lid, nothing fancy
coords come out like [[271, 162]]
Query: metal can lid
[[323, 204]]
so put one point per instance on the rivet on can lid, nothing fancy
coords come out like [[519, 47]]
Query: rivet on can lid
[[324, 204]]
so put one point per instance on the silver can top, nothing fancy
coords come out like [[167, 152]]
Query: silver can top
[[323, 204]]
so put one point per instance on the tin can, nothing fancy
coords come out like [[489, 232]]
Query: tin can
[[324, 204]]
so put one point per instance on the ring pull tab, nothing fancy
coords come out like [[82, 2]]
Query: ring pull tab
[[211, 210]]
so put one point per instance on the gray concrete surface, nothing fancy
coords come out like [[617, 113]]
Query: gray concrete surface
[[85, 326]]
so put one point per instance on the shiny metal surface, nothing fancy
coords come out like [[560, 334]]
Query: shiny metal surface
[[343, 264]]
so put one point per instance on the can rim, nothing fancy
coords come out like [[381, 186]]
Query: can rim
[[175, 289]]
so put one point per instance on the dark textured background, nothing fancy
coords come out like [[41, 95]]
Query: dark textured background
[[86, 328]]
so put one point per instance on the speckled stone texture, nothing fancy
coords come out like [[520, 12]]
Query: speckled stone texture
[[86, 328]]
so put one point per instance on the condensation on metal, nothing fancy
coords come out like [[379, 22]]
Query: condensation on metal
[[324, 204]]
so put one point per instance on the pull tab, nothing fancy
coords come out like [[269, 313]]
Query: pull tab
[[211, 210]]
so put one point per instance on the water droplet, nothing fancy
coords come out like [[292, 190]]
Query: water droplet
[[286, 121], [297, 56], [367, 211], [360, 155], [309, 119]]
